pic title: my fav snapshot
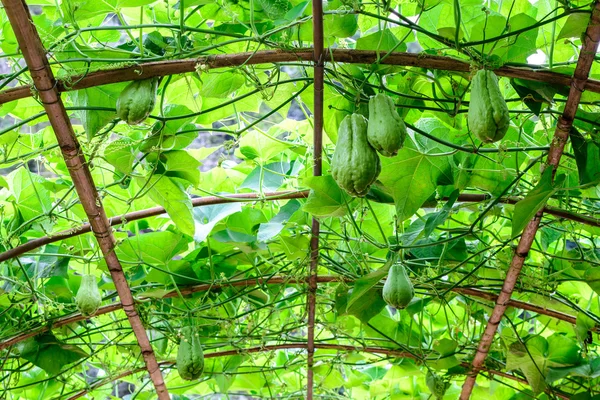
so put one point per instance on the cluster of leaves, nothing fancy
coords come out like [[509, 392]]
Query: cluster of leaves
[[253, 257]]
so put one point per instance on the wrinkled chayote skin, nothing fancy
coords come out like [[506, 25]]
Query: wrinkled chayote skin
[[190, 357], [88, 298], [488, 114], [398, 290], [355, 164], [137, 101], [386, 131]]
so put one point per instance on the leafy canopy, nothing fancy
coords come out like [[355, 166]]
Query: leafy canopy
[[247, 129]]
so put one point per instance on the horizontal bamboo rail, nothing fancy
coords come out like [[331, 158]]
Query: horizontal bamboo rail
[[146, 70]]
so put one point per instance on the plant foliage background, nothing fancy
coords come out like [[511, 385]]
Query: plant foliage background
[[252, 257]]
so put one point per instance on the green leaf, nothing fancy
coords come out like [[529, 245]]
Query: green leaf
[[339, 26], [592, 278], [134, 3], [76, 11], [590, 370], [412, 177], [445, 346], [371, 303], [152, 248], [535, 95], [178, 271], [121, 154], [538, 354], [518, 47], [295, 248], [269, 230], [574, 27], [170, 194], [257, 145], [220, 84], [326, 199], [383, 41], [58, 288], [208, 216], [53, 262], [583, 325], [535, 200], [270, 177], [587, 156], [436, 219], [275, 9], [50, 354], [180, 164], [30, 193], [296, 11], [176, 134], [365, 283], [104, 96], [335, 108]]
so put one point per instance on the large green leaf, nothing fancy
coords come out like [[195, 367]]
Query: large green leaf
[[326, 198], [535, 200], [49, 353], [208, 216], [96, 97], [587, 156], [538, 354], [30, 193], [170, 194], [152, 248], [413, 176], [365, 283]]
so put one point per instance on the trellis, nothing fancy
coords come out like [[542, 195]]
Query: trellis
[[48, 89]]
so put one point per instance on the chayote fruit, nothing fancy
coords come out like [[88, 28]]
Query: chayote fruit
[[386, 131], [488, 114], [355, 164], [137, 101], [88, 298], [190, 357], [398, 290], [436, 384]]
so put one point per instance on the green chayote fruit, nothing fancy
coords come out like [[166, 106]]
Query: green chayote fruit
[[137, 101], [88, 298], [398, 290], [488, 114], [386, 131], [436, 384], [355, 164], [190, 357]]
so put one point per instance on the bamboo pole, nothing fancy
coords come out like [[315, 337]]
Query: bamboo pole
[[561, 136], [34, 54]]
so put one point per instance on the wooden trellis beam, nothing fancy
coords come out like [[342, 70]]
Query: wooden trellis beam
[[145, 70], [560, 139], [318, 86], [247, 197], [301, 346], [276, 280], [34, 54]]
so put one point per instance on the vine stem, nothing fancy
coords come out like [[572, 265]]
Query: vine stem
[[561, 136], [318, 86], [145, 70], [34, 54]]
